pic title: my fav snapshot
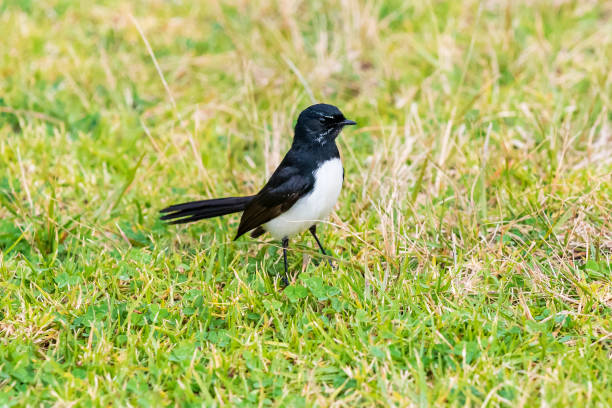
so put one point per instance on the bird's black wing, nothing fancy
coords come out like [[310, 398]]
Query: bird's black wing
[[284, 188]]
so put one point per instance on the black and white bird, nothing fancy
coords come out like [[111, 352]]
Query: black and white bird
[[301, 192]]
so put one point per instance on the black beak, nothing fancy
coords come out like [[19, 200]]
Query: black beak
[[347, 122]]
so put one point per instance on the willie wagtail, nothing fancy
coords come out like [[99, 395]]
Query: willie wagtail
[[301, 192]]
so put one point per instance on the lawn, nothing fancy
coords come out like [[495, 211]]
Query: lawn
[[472, 239]]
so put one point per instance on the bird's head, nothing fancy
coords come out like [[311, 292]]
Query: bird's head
[[320, 123]]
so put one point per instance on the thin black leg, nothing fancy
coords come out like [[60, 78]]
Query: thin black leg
[[313, 231], [285, 246]]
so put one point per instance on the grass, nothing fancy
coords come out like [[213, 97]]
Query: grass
[[473, 236]]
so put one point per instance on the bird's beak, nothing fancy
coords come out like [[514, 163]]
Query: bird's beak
[[347, 122]]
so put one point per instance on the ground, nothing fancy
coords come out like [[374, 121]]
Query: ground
[[473, 236]]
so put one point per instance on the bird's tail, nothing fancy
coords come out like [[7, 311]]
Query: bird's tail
[[198, 210]]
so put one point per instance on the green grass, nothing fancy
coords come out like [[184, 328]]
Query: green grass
[[473, 236]]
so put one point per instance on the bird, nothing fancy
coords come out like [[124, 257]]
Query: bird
[[302, 191]]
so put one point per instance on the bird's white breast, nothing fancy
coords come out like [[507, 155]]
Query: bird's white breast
[[313, 207]]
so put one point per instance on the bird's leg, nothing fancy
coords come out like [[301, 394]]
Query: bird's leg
[[313, 231], [285, 246]]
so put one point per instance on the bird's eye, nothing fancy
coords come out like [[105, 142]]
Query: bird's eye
[[322, 120]]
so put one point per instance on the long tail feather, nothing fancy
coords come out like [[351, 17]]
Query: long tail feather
[[198, 210]]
